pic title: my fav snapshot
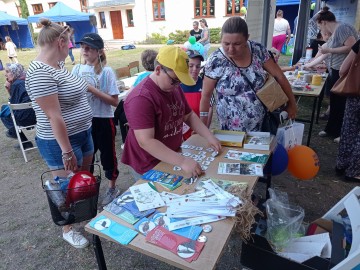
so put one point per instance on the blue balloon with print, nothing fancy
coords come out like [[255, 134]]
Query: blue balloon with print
[[280, 160], [197, 47]]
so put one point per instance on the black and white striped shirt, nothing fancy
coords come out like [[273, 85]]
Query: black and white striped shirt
[[43, 80]]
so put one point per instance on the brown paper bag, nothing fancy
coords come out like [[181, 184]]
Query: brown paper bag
[[271, 94]]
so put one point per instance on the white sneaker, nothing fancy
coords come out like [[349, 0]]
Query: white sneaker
[[322, 134], [76, 239], [122, 146], [337, 140], [110, 195]]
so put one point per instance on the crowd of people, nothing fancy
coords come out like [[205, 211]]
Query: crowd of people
[[171, 100]]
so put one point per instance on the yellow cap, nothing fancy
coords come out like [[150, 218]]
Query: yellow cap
[[177, 60]]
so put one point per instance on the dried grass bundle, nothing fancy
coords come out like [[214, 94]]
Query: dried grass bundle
[[245, 214]]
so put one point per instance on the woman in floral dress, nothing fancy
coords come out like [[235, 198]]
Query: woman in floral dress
[[237, 71]]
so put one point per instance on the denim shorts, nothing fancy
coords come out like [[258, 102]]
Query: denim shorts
[[81, 143]]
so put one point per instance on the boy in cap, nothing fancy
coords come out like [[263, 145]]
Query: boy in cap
[[156, 110]]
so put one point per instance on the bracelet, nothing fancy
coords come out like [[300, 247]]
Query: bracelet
[[67, 153], [68, 158], [204, 114]]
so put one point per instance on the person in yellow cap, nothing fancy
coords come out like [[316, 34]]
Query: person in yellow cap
[[243, 12], [156, 109]]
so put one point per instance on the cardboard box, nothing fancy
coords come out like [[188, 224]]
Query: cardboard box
[[230, 138]]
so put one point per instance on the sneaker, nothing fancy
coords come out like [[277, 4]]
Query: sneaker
[[122, 146], [337, 140], [76, 239], [10, 135], [322, 134], [73, 63], [110, 195]]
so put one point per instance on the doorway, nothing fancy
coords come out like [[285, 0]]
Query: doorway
[[116, 24]]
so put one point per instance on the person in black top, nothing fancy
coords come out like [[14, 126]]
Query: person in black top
[[196, 32], [15, 86], [315, 43]]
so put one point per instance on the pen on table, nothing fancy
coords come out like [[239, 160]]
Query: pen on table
[[152, 185]]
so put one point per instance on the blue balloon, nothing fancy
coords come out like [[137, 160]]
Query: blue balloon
[[198, 47], [280, 160]]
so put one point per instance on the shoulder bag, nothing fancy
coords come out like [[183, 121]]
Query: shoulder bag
[[349, 84]]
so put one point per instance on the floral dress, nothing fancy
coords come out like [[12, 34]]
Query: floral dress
[[237, 105]]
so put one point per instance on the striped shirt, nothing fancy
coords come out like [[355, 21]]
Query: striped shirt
[[43, 80], [337, 39]]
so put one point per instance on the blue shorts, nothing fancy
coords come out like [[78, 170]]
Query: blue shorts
[[81, 143]]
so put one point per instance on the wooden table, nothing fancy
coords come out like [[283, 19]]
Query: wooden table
[[217, 239], [316, 93]]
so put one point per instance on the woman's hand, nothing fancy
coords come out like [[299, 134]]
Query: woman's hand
[[324, 50], [191, 166], [214, 143], [70, 161], [291, 109]]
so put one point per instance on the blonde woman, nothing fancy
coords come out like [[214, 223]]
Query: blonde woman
[[63, 130]]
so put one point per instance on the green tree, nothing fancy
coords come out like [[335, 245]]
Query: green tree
[[25, 13]]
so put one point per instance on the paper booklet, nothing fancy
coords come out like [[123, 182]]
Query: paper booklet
[[162, 177], [145, 197], [224, 184], [247, 156], [114, 230], [185, 248], [240, 169], [259, 141]]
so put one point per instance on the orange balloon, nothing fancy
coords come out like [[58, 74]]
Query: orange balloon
[[303, 162]]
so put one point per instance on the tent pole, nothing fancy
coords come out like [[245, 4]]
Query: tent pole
[[301, 30], [266, 19]]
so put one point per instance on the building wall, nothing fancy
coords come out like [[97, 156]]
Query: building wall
[[177, 17]]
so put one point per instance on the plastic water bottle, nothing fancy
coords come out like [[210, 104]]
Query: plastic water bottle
[[63, 181], [296, 72], [56, 195]]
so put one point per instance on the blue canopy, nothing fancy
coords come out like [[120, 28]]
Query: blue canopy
[[80, 21], [22, 36], [287, 2]]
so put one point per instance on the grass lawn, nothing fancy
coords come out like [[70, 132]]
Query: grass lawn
[[115, 58]]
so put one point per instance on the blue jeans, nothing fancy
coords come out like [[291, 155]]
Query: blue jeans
[[50, 150]]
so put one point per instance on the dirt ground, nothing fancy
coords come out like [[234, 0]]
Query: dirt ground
[[30, 240]]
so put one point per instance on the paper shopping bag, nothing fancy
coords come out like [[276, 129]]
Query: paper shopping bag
[[290, 135]]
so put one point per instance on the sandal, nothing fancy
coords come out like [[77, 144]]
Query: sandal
[[324, 116]]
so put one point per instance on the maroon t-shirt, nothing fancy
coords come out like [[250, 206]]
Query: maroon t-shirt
[[147, 106]]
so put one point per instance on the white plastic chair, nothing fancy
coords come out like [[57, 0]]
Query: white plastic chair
[[18, 129], [351, 204]]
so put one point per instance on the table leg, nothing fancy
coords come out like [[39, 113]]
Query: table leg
[[99, 252], [312, 120]]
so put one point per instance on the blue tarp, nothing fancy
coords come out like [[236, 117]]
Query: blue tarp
[[80, 21], [287, 2], [22, 37]]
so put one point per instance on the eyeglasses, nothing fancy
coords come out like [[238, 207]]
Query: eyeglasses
[[173, 81]]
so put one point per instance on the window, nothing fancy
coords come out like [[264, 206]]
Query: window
[[102, 19], [37, 9], [204, 8], [130, 18], [51, 4], [83, 5], [159, 10], [233, 7]]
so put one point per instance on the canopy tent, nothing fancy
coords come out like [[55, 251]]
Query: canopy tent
[[22, 36], [80, 21]]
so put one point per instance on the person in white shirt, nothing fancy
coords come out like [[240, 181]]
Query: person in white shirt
[[11, 50], [102, 95], [282, 31]]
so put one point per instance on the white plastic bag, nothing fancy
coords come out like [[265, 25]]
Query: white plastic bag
[[290, 135]]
